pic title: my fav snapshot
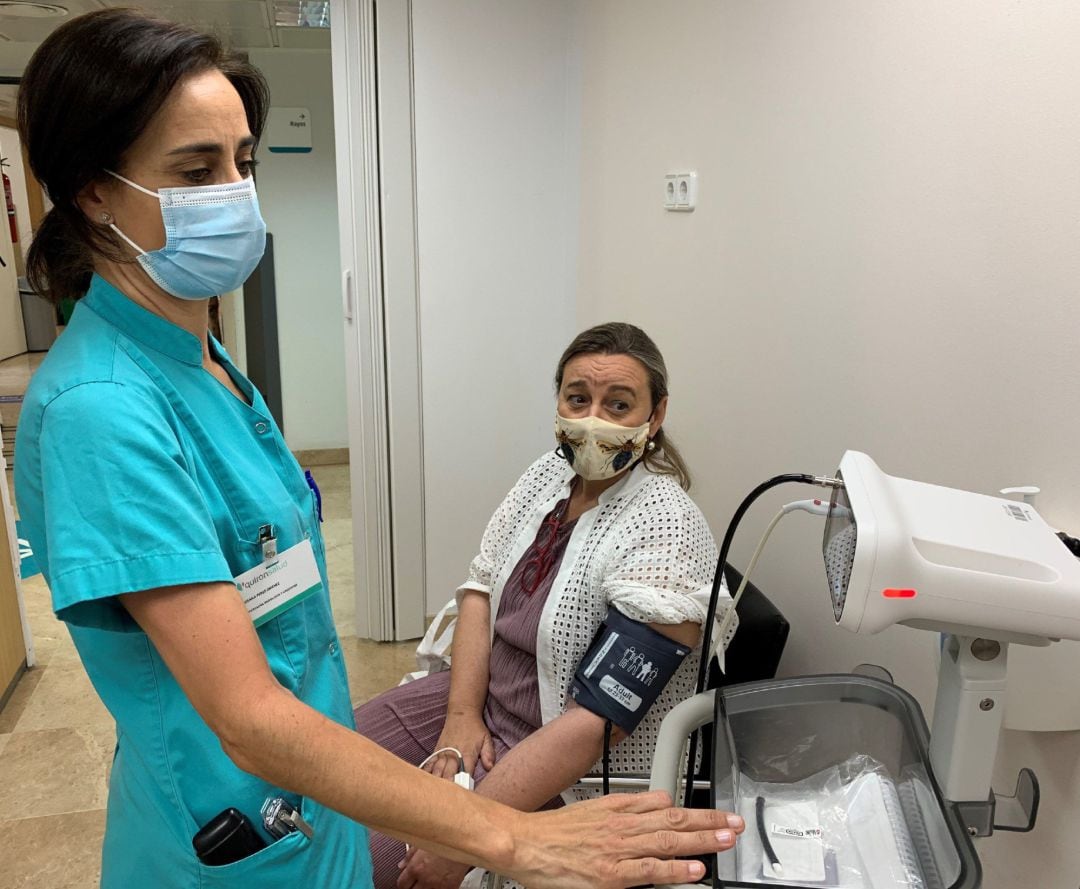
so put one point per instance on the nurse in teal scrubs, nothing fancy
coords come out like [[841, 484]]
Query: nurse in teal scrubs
[[179, 537]]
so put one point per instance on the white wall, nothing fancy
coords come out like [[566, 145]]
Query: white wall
[[298, 197], [497, 120], [884, 257]]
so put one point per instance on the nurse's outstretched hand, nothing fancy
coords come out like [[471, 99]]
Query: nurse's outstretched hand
[[619, 841]]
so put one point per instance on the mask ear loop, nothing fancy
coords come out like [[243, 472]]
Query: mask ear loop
[[128, 240], [134, 185], [137, 187]]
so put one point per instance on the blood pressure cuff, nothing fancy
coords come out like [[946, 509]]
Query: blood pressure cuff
[[625, 669]]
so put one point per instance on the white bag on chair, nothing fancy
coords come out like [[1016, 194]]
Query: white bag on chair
[[432, 654]]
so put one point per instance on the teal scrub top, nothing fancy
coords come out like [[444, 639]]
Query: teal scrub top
[[138, 469]]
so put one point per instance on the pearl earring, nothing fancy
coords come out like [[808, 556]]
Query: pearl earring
[[651, 445]]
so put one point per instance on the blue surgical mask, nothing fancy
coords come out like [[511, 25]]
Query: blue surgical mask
[[214, 238]]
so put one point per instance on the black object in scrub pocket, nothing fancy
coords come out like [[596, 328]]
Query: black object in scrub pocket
[[227, 837]]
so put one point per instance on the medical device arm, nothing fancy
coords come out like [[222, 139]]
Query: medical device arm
[[684, 718], [968, 714], [682, 722]]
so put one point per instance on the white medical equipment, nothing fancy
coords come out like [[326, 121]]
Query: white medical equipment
[[986, 572]]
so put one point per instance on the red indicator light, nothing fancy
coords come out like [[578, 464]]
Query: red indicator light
[[899, 594]]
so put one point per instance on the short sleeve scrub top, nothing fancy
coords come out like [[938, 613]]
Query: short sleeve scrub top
[[137, 469]]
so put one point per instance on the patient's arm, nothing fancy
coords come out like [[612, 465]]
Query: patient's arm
[[464, 728], [555, 756], [542, 766]]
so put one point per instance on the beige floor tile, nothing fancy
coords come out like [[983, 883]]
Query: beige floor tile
[[64, 698], [51, 638], [20, 699], [15, 372], [337, 530], [374, 667], [334, 485], [54, 852], [337, 534], [339, 568], [37, 596], [56, 771], [3, 743]]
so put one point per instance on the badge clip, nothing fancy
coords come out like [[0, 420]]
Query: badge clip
[[280, 819], [268, 542]]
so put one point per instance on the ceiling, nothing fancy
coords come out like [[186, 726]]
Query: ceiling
[[245, 24]]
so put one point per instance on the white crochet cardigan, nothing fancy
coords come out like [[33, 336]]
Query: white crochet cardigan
[[646, 549]]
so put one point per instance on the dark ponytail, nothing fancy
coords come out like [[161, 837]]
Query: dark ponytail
[[58, 263], [87, 94]]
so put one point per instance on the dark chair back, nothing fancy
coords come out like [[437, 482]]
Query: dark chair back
[[755, 652]]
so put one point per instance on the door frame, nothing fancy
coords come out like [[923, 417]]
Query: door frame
[[373, 111]]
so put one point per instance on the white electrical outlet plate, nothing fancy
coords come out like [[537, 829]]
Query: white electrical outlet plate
[[680, 191]]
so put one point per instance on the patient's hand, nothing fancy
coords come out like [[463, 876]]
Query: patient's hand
[[424, 870], [469, 734]]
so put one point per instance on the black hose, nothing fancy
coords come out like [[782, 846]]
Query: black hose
[[607, 757], [714, 599]]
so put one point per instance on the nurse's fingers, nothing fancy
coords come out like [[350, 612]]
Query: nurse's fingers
[[661, 815], [646, 871], [677, 831]]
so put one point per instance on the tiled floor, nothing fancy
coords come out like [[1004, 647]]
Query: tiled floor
[[15, 372], [56, 739]]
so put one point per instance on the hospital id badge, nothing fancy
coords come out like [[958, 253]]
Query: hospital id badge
[[277, 584]]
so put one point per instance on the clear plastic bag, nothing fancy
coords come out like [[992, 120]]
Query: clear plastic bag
[[850, 826]]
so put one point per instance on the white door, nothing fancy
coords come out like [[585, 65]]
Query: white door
[[379, 303], [458, 133]]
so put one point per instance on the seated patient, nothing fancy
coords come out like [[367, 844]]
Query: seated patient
[[603, 521]]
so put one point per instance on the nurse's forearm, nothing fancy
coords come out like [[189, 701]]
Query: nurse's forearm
[[471, 656], [292, 746], [204, 634]]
